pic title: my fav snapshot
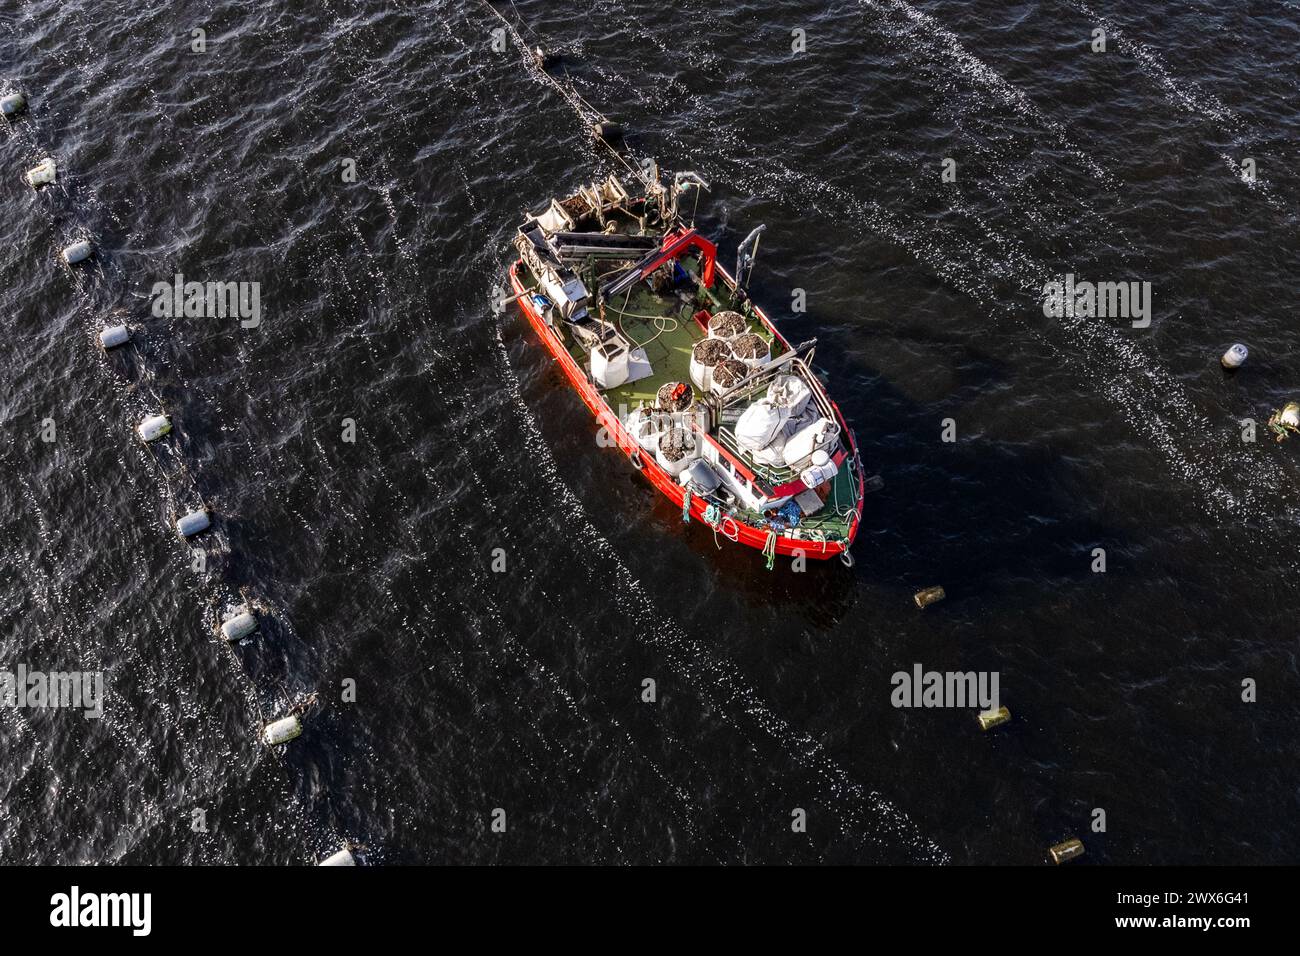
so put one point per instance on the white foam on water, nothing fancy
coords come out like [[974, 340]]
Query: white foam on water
[[1183, 93], [924, 32], [1186, 95]]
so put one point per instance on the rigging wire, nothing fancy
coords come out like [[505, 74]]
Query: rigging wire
[[586, 112]]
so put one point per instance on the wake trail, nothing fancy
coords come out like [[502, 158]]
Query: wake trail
[[922, 32], [860, 812], [1190, 98]]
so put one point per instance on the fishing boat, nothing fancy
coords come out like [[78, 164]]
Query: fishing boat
[[684, 373]]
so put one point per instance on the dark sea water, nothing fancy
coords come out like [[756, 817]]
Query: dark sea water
[[372, 560]]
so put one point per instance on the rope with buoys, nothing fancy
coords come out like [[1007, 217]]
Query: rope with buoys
[[235, 627]]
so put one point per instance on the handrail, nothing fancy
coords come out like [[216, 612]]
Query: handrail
[[773, 366]]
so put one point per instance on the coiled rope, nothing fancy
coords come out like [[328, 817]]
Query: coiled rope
[[716, 520]]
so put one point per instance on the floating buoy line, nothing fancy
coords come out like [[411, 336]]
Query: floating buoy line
[[237, 615]]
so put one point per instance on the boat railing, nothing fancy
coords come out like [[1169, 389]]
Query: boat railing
[[762, 374]]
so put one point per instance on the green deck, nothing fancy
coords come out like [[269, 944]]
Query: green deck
[[669, 354], [844, 490], [669, 351]]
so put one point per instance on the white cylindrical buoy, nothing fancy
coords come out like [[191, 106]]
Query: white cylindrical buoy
[[283, 730], [154, 427], [12, 105], [42, 174], [239, 626], [77, 252], [343, 857], [114, 336], [1235, 357], [193, 523]]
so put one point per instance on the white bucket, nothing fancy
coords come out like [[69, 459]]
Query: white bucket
[[1235, 357], [819, 473]]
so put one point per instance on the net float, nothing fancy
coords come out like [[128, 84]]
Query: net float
[[114, 336], [153, 427], [42, 174], [12, 105], [1235, 357], [239, 625], [283, 730], [993, 718], [1069, 850], [928, 596], [192, 523], [78, 251]]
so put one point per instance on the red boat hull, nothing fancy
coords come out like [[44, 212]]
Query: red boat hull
[[666, 484]]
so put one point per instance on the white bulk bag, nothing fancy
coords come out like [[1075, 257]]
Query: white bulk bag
[[798, 423], [791, 392], [682, 439], [759, 424], [774, 453], [609, 365], [817, 436]]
